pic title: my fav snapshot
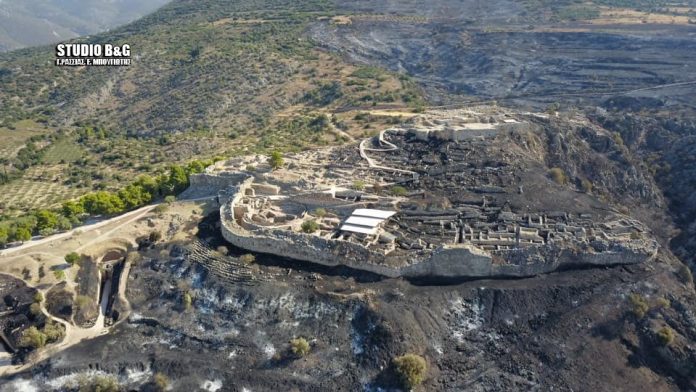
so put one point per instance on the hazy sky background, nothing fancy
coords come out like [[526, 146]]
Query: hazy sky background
[[36, 22]]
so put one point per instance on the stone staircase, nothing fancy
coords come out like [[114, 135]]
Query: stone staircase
[[228, 269]]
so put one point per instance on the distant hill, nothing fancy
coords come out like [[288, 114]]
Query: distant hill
[[208, 77], [222, 77], [29, 23]]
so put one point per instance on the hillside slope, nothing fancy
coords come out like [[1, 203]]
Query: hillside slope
[[217, 77], [208, 78]]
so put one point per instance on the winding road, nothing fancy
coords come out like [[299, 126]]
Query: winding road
[[390, 147]]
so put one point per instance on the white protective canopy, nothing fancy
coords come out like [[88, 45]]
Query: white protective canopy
[[366, 221]]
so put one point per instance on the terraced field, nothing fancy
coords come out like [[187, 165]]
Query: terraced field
[[227, 269], [28, 194], [11, 140], [63, 151]]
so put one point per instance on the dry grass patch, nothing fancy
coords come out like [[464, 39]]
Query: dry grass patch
[[627, 16]]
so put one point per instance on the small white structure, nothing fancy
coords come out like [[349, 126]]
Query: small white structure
[[366, 221]]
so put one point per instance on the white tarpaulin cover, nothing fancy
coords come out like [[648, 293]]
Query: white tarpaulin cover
[[373, 213], [365, 221], [362, 221]]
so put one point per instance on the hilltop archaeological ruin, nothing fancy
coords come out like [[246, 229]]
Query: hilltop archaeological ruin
[[437, 197]]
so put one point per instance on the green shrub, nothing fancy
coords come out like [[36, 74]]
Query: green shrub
[[32, 338], [324, 94], [586, 186], [35, 309], [83, 301], [276, 160], [59, 274], [398, 190], [46, 221], [359, 185], [299, 347], [577, 12], [73, 209], [64, 223], [4, 236], [155, 236], [639, 306], [46, 231], [319, 123], [103, 203], [320, 212], [187, 300], [72, 258], [38, 297], [369, 73], [309, 226], [54, 332], [99, 383], [178, 180], [665, 335], [663, 302], [247, 258], [411, 369], [169, 199], [684, 274], [558, 176], [161, 381], [22, 234], [134, 258], [553, 108]]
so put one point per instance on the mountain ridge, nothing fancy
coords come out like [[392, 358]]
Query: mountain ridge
[[24, 24]]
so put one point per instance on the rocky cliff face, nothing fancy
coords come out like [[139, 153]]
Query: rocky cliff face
[[665, 140]]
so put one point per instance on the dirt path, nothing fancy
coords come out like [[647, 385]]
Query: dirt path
[[339, 133], [95, 233], [30, 244], [390, 147], [120, 221], [73, 335]]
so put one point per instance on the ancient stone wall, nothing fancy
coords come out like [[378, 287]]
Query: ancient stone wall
[[298, 246], [473, 131], [448, 261], [206, 184]]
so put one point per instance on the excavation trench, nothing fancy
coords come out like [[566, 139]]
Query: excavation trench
[[113, 264]]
